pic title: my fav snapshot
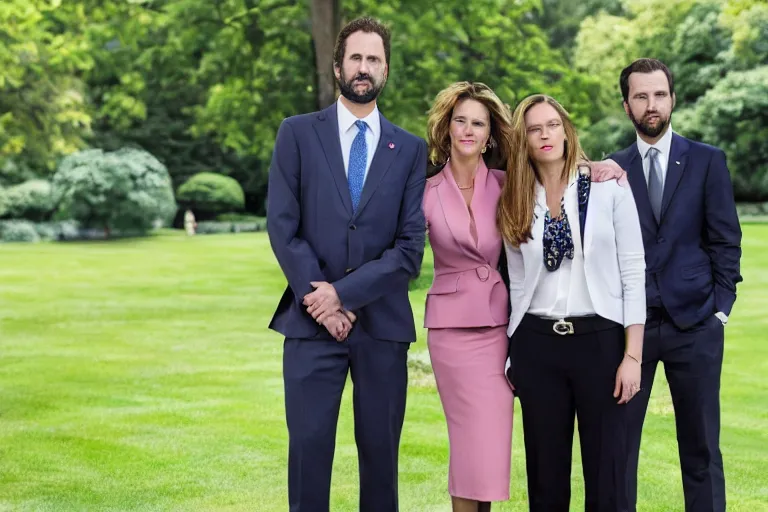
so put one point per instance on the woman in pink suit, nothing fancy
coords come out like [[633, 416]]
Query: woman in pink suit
[[469, 131]]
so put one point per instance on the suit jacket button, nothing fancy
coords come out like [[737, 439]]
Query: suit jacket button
[[660, 240], [348, 271], [352, 227]]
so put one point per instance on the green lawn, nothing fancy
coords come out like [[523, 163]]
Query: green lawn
[[139, 375]]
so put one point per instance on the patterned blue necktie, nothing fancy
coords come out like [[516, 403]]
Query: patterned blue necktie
[[358, 158]]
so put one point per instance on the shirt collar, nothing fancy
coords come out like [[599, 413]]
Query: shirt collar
[[347, 119], [663, 145]]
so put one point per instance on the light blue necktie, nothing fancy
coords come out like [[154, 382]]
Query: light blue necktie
[[358, 158]]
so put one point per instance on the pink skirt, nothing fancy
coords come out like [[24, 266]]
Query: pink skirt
[[478, 404]]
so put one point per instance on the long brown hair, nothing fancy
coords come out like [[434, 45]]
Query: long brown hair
[[518, 197], [439, 121]]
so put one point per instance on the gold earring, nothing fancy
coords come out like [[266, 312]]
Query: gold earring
[[484, 148]]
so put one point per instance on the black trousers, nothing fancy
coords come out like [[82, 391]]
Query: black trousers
[[559, 377], [693, 361], [314, 374]]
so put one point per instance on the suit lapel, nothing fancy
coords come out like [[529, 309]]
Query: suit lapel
[[532, 250], [483, 206], [385, 154], [636, 178], [455, 211], [327, 128], [675, 167], [572, 211]]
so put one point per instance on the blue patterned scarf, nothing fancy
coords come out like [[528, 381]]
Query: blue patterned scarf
[[558, 240]]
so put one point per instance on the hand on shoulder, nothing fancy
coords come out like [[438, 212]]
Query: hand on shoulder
[[607, 170]]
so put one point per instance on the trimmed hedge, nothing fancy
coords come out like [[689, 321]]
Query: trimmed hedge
[[240, 217], [213, 228], [21, 231], [207, 193], [128, 190]]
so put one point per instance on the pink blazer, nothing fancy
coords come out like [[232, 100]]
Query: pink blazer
[[467, 289]]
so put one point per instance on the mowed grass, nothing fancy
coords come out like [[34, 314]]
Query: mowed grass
[[140, 375]]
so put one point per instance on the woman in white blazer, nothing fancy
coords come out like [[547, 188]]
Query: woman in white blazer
[[577, 291]]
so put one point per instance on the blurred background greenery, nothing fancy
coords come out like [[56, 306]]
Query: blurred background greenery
[[201, 86]]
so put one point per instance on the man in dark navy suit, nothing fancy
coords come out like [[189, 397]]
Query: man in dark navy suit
[[692, 244], [346, 225]]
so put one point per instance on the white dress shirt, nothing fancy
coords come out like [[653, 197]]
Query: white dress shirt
[[564, 292], [348, 132], [664, 145]]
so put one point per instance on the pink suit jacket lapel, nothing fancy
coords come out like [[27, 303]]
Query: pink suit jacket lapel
[[456, 212]]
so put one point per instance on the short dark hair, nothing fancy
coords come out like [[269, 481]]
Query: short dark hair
[[644, 66], [364, 24]]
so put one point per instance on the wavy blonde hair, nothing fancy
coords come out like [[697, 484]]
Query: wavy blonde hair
[[515, 213], [439, 121]]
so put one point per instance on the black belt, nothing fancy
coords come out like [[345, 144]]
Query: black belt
[[570, 325]]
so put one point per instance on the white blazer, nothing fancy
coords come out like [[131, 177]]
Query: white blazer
[[614, 257]]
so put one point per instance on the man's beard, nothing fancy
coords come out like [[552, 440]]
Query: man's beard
[[347, 88], [648, 130]]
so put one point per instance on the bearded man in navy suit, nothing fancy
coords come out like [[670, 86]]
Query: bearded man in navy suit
[[346, 225], [692, 241]]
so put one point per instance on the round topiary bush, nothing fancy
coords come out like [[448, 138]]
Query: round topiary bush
[[208, 193], [127, 190]]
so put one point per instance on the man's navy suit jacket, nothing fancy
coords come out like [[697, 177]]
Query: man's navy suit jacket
[[693, 254], [369, 255]]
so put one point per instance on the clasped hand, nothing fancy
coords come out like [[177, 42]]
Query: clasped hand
[[325, 307]]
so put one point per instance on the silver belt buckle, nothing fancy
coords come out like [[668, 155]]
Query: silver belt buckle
[[562, 327]]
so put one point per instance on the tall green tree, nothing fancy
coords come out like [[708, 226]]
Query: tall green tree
[[43, 112], [561, 19], [607, 43], [435, 46], [326, 21], [201, 85], [748, 19], [733, 115], [700, 52]]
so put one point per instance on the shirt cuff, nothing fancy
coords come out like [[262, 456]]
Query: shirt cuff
[[722, 317]]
